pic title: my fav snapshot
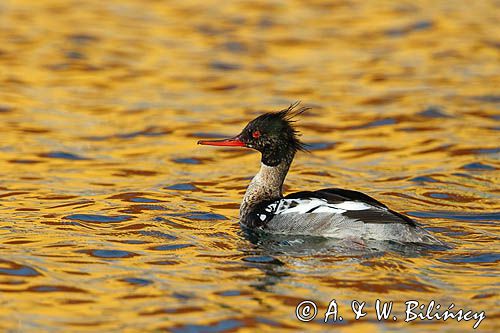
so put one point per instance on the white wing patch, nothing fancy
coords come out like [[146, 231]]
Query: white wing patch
[[352, 205], [314, 205]]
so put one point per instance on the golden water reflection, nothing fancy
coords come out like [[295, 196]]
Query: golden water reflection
[[114, 220]]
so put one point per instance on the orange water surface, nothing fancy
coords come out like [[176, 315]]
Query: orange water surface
[[112, 219]]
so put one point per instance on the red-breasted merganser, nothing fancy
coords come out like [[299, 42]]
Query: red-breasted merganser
[[331, 212]]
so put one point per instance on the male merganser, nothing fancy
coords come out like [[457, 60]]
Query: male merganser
[[331, 212]]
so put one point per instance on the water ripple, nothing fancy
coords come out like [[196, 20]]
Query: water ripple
[[99, 218]]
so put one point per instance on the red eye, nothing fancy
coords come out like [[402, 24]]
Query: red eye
[[256, 134]]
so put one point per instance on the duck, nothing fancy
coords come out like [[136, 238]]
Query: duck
[[331, 212]]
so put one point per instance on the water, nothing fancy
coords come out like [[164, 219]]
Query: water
[[113, 219]]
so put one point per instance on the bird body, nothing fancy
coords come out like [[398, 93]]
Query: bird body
[[332, 212]]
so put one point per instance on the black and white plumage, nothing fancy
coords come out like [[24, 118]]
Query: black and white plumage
[[335, 213], [330, 212]]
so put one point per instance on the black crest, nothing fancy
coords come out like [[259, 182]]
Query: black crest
[[274, 134]]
